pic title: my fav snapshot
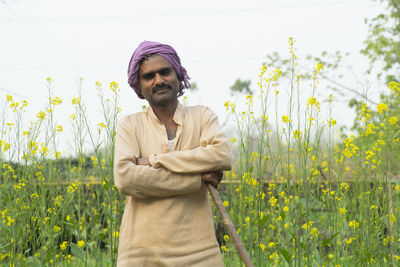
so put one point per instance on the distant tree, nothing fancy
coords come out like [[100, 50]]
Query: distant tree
[[241, 87], [194, 87], [383, 41]]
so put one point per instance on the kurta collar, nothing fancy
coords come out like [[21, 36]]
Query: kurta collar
[[178, 115]]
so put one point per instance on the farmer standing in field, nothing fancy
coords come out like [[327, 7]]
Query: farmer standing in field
[[163, 158]]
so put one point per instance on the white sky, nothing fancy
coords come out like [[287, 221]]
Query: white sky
[[218, 42]]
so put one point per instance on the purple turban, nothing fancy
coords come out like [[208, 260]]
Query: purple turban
[[148, 48]]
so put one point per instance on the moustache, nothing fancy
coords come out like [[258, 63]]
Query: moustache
[[160, 87]]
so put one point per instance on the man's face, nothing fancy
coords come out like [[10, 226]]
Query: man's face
[[158, 81]]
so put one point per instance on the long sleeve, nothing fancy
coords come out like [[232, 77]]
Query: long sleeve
[[145, 181], [212, 154]]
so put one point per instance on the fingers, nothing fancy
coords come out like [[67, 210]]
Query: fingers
[[214, 183], [218, 175], [209, 178]]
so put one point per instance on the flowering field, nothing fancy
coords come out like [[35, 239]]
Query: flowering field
[[298, 195]]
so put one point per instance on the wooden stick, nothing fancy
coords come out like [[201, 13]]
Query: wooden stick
[[230, 227]]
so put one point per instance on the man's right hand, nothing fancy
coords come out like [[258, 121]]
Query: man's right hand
[[213, 178]]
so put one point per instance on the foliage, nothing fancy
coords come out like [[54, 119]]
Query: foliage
[[53, 209], [383, 41], [304, 198], [241, 87]]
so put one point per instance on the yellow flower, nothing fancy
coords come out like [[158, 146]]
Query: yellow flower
[[224, 249], [56, 229], [314, 232], [342, 210], [393, 120], [81, 243], [41, 115], [226, 203], [9, 98], [307, 226], [272, 201], [6, 147], [113, 86], [296, 133], [101, 126], [274, 256], [271, 244], [10, 221], [262, 246], [344, 186], [382, 107], [226, 238], [369, 154], [312, 101], [49, 79], [76, 100], [320, 67], [116, 234], [233, 140], [64, 245], [354, 224], [331, 122], [285, 119], [59, 128], [55, 101], [57, 154], [261, 214], [392, 218]]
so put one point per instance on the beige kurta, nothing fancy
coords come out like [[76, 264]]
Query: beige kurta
[[167, 219]]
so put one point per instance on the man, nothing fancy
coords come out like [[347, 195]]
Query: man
[[163, 158]]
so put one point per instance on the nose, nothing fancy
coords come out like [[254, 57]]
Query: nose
[[158, 79]]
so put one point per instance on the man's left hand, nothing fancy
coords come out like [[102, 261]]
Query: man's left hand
[[213, 177]]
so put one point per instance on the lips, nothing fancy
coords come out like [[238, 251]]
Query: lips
[[160, 90]]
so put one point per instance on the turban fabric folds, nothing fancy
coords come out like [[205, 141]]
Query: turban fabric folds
[[146, 49]]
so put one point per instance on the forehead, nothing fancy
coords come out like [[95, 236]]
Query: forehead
[[154, 63]]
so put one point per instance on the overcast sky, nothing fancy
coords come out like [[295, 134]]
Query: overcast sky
[[218, 42]]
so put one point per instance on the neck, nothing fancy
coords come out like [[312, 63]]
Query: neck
[[165, 113]]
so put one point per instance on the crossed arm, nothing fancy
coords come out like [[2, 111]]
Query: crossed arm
[[211, 177], [164, 174]]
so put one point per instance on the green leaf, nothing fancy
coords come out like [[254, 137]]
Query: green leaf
[[396, 134], [77, 251], [283, 215], [327, 241], [263, 220], [285, 254], [106, 185], [251, 169]]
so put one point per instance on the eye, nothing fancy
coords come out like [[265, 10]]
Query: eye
[[165, 72], [148, 76]]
